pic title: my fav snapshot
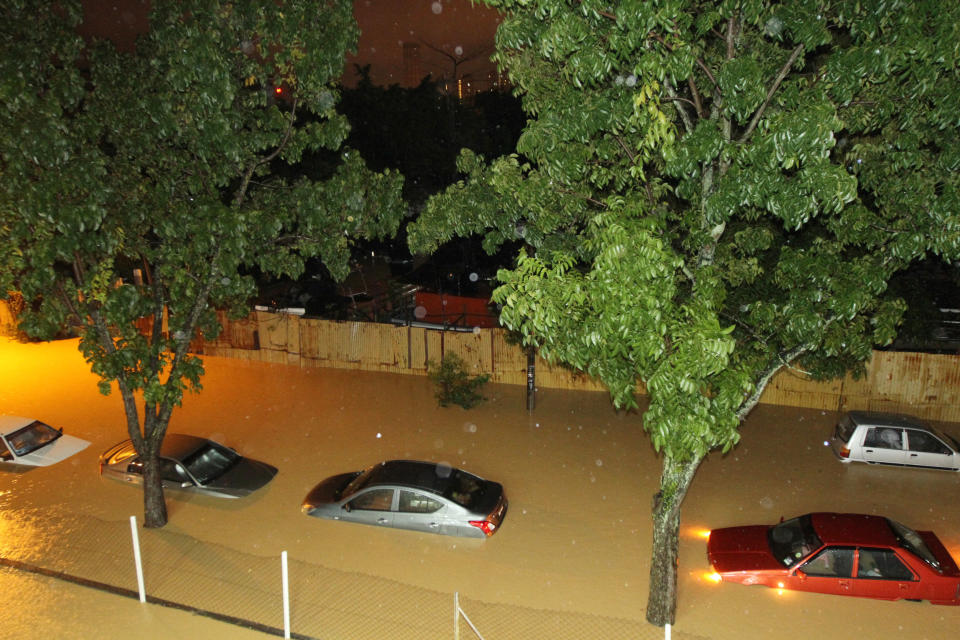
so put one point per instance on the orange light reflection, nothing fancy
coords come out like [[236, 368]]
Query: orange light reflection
[[697, 532]]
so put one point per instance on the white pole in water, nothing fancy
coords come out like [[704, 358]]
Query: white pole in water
[[286, 595], [456, 615], [666, 632], [136, 557]]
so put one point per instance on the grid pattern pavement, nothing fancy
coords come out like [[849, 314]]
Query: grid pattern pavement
[[325, 603]]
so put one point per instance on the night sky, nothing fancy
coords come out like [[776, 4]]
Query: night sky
[[455, 27]]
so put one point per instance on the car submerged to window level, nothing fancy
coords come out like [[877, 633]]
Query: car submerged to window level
[[31, 443], [409, 494], [893, 439], [838, 553], [192, 464]]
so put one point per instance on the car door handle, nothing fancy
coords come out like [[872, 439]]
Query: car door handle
[[844, 584], [868, 450], [913, 455], [382, 520], [434, 525]]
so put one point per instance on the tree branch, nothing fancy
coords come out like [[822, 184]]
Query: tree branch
[[765, 377], [697, 101], [672, 94], [245, 181], [784, 70]]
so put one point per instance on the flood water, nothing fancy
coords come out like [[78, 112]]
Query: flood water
[[580, 478]]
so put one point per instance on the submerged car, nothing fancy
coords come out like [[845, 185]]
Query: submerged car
[[192, 464], [895, 439], [838, 553], [409, 494], [32, 443]]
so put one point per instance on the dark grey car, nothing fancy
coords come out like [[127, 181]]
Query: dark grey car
[[408, 494], [192, 464]]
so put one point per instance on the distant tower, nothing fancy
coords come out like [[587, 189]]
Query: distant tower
[[412, 75]]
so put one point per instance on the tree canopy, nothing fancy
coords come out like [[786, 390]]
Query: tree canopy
[[141, 187], [709, 192]]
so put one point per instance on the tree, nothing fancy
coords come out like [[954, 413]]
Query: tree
[[139, 189], [710, 192]]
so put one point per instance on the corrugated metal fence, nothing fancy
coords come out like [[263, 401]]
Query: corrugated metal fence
[[924, 384]]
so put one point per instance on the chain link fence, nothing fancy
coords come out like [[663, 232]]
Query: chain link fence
[[325, 604]]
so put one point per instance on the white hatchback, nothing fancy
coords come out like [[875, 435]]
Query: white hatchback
[[893, 438], [31, 443]]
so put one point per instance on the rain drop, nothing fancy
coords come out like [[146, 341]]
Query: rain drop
[[437, 8]]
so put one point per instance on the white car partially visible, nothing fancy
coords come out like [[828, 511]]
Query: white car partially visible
[[32, 443], [894, 439]]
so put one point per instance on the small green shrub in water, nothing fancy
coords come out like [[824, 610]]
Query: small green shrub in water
[[454, 384]]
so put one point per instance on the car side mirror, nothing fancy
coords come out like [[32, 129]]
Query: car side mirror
[[346, 507], [800, 574]]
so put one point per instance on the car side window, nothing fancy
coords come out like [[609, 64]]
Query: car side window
[[413, 502], [884, 438], [926, 443], [832, 562], [373, 500], [173, 472], [882, 564]]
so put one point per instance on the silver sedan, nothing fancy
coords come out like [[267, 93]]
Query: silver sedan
[[407, 494], [192, 464]]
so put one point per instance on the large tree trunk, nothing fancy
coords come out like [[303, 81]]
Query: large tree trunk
[[674, 482], [147, 445], [154, 505]]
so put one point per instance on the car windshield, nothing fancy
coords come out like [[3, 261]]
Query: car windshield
[[912, 542], [358, 483], [210, 461], [31, 437], [793, 540], [946, 437]]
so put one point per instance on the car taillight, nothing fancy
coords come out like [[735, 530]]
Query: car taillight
[[484, 525], [844, 452]]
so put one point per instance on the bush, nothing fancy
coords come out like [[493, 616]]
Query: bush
[[454, 384]]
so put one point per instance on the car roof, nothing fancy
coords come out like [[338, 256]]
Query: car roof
[[180, 445], [882, 419], [853, 529], [429, 476]]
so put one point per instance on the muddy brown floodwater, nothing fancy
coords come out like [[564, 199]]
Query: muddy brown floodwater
[[579, 477]]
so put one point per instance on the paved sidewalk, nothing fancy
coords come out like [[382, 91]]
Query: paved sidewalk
[[245, 590]]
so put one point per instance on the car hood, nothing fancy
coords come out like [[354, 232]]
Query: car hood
[[741, 549], [243, 478], [53, 452], [328, 491]]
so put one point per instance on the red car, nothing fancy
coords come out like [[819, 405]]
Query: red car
[[838, 553]]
